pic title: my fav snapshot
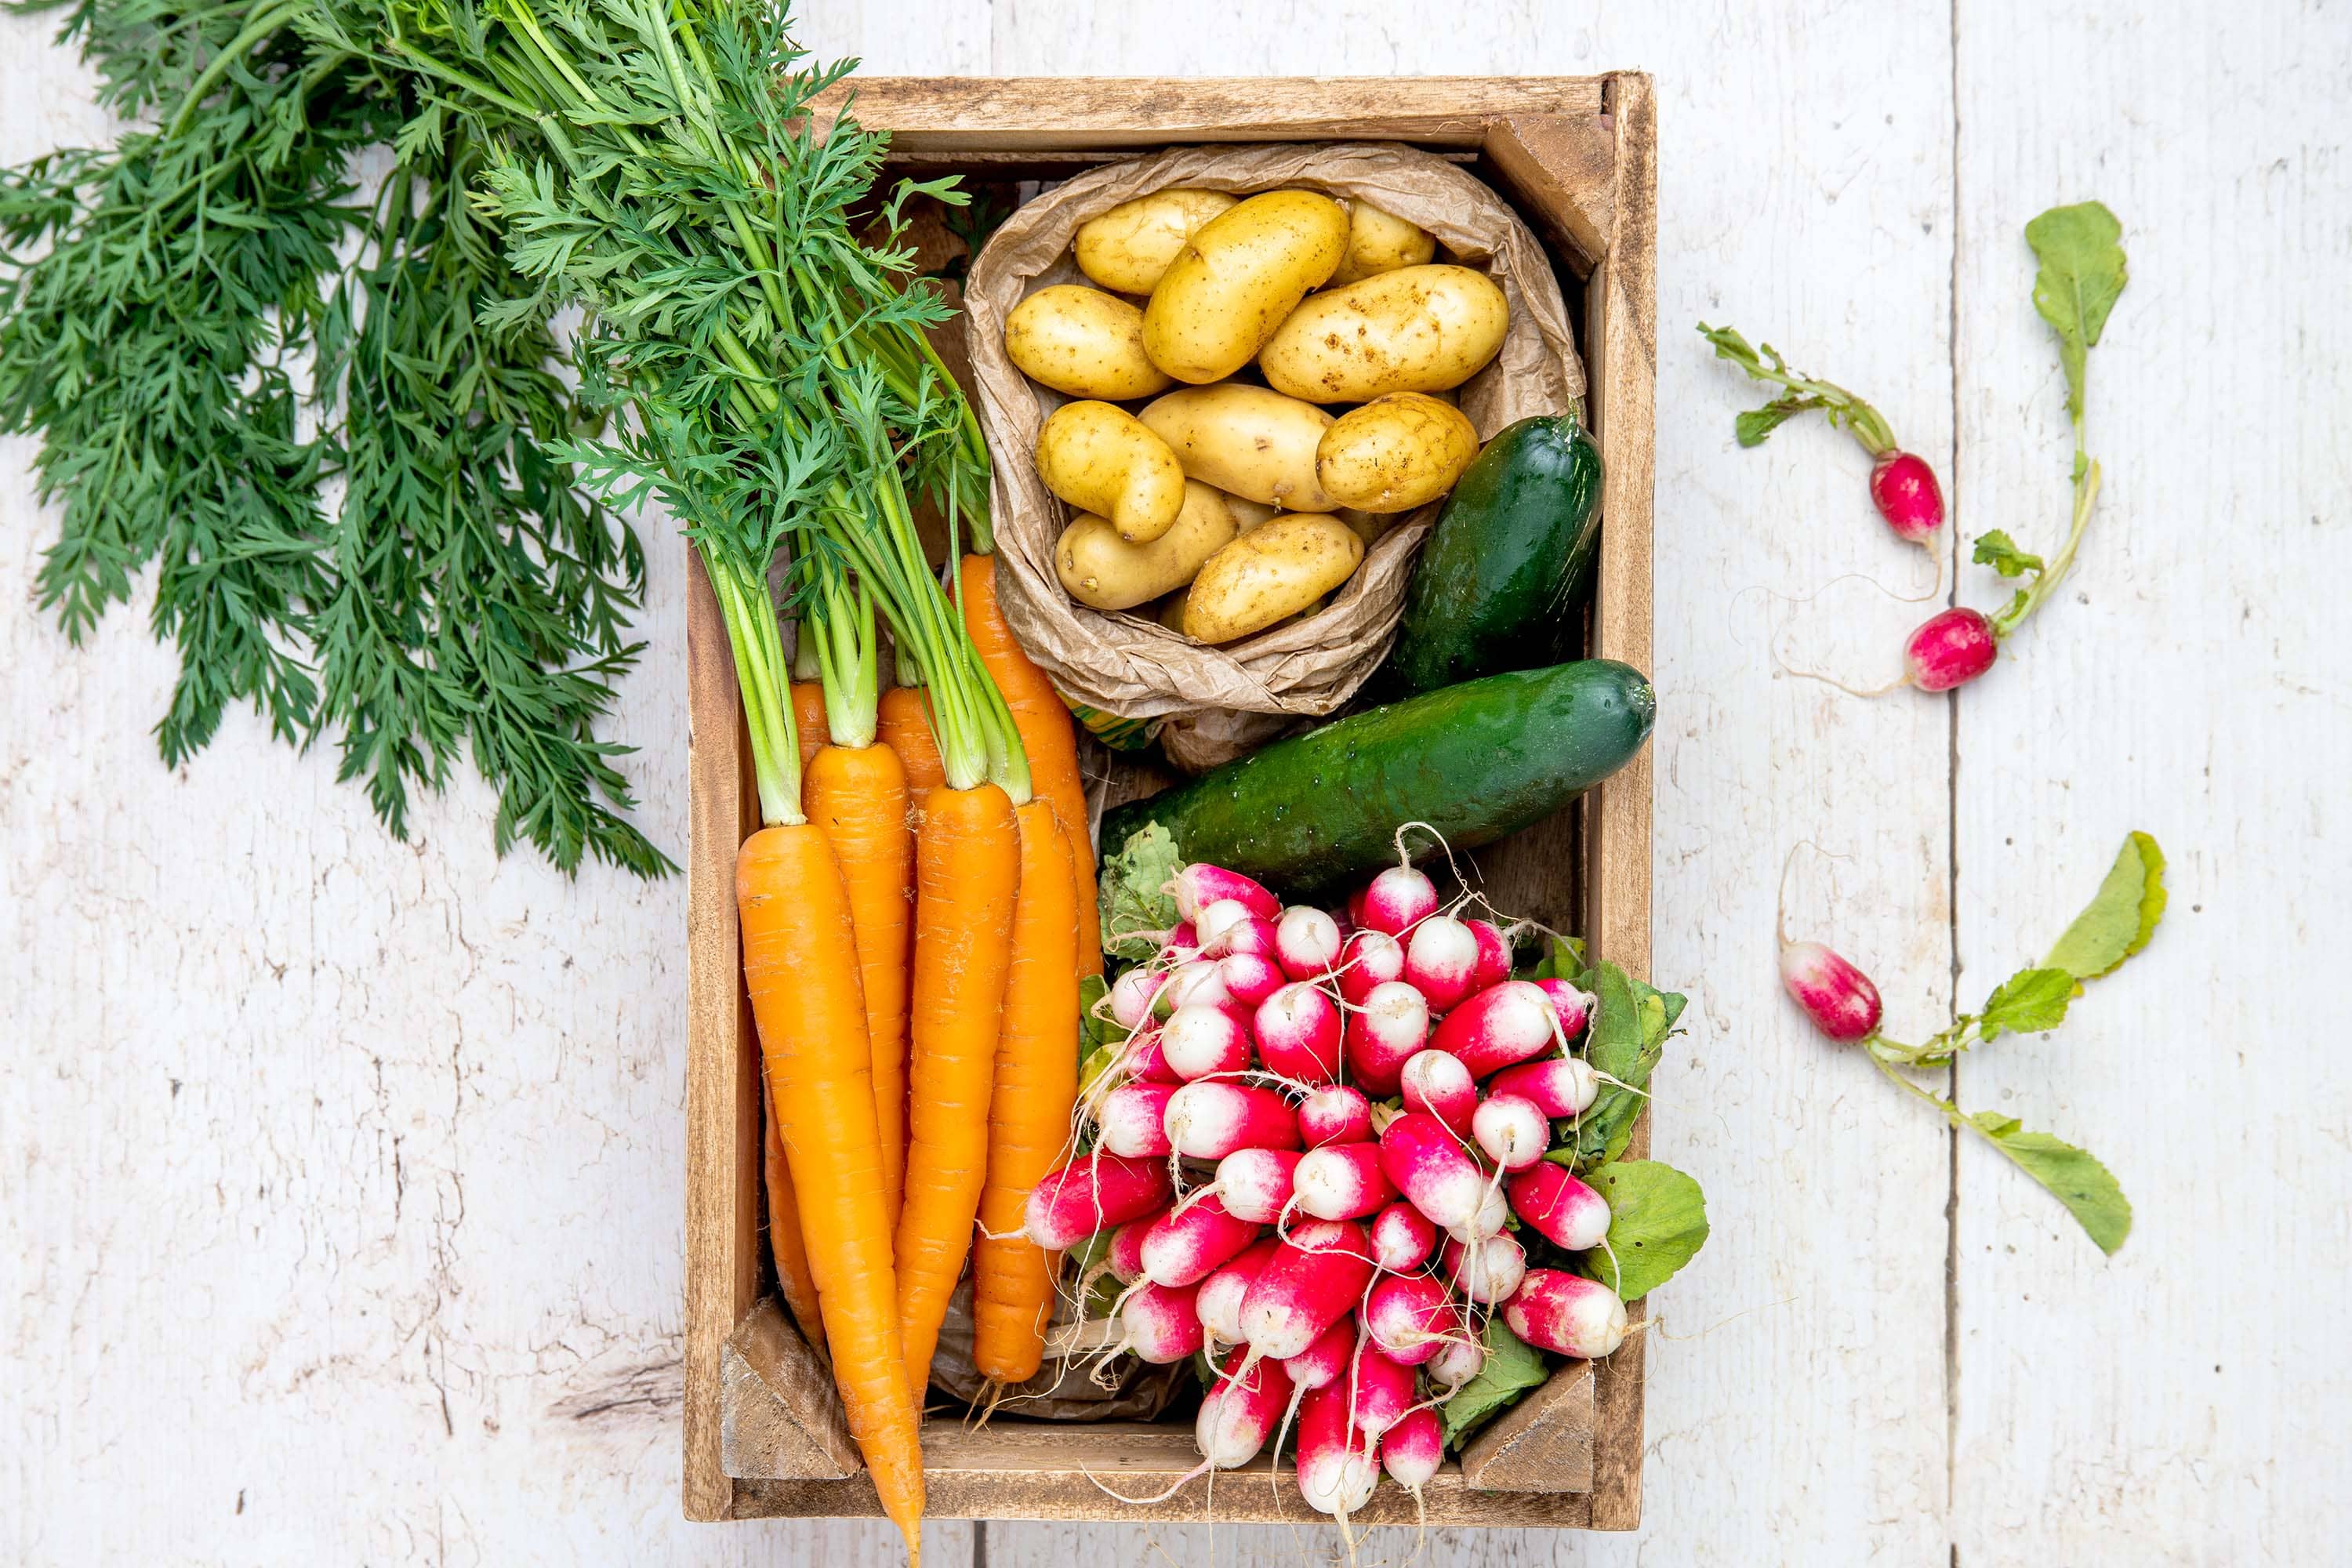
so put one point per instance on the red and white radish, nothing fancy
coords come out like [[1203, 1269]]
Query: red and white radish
[[1336, 1471], [1249, 978], [1342, 1181], [1299, 1031], [1440, 961], [1494, 955], [1325, 1361], [1201, 1041], [1838, 997], [1499, 1027], [1951, 649], [1132, 1119], [1198, 886], [1412, 1451], [1557, 1207], [1158, 1322], [1382, 1391], [1239, 1414], [1411, 1317], [1485, 1271], [1390, 1024], [1571, 1006], [1398, 899], [1566, 1314], [1211, 1118], [1306, 942], [1193, 984], [1437, 1082], [1251, 936], [1190, 1241], [1178, 943], [1402, 1237], [1215, 922], [1427, 1165], [1511, 1130], [1253, 1183], [1094, 1192], [1334, 1113], [1493, 1214], [1315, 1279], [1369, 959], [1123, 1256], [1131, 995], [1456, 1363], [1557, 1086], [1219, 1301], [1141, 1059]]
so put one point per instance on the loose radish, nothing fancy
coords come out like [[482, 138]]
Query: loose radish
[[1491, 1216], [1239, 1414], [1499, 1027], [1200, 1041], [1251, 936], [1382, 1391], [1440, 961], [1159, 1323], [1950, 648], [1131, 995], [1511, 1130], [1411, 1317], [1342, 1181], [1456, 1363], [1487, 1272], [1904, 488], [1132, 1118], [1299, 1031], [1123, 1256], [1437, 1083], [1094, 1192], [1314, 1279], [1428, 1166], [1413, 1449], [1199, 886], [1559, 1207], [1306, 942], [1215, 920], [1325, 1361], [1334, 1113], [1402, 1238], [1390, 1024], [1368, 960], [1398, 899], [1211, 1118], [1838, 997], [1337, 1472], [1494, 955], [1249, 978], [1254, 1184], [1571, 1006], [1219, 1301], [1566, 1314], [1190, 1241], [1556, 1086]]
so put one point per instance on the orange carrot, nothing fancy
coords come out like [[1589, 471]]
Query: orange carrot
[[784, 1242], [808, 718], [907, 730], [859, 795], [967, 880], [1047, 733], [1029, 1109], [799, 966]]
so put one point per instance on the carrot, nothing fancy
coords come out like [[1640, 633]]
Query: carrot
[[1029, 1111], [790, 1252], [859, 795], [905, 729], [808, 718], [967, 876], [1047, 733]]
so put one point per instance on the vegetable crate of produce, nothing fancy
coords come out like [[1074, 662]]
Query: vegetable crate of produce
[[764, 1431]]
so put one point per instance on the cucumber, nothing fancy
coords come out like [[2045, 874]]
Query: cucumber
[[1476, 761], [1511, 556]]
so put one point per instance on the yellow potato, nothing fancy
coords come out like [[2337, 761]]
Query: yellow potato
[[1169, 611], [1129, 247], [1103, 569], [1245, 440], [1249, 514], [1368, 526], [1395, 453], [1381, 242], [1418, 328], [1236, 280], [1274, 570], [1082, 341], [1101, 459]]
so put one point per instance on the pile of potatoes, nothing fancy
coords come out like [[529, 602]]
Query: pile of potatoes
[[1240, 506]]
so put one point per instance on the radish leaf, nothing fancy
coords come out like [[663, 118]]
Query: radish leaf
[[2082, 275], [1657, 1222], [2001, 553], [2121, 917], [2087, 1188], [1511, 1368], [1134, 892], [2027, 1003], [1752, 427], [1628, 1034]]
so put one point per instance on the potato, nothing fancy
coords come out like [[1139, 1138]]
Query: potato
[[1104, 571], [1102, 460], [1082, 341], [1418, 328], [1249, 514], [1369, 527], [1129, 247], [1245, 440], [1395, 453], [1274, 570], [1236, 280], [1381, 242], [1170, 611]]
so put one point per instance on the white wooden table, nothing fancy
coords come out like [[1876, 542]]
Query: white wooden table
[[342, 1177]]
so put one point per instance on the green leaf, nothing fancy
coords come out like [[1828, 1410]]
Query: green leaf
[[2027, 1003], [1627, 1035], [1563, 959], [2121, 917], [1135, 891], [2001, 553], [1752, 427], [1657, 1222], [2087, 1188], [1512, 1367], [2082, 275]]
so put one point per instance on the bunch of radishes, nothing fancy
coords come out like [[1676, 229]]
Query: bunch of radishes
[[1336, 1258]]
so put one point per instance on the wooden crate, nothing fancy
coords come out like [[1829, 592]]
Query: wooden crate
[[1578, 156]]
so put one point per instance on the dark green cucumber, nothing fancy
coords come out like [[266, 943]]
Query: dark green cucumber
[[1512, 554], [1475, 762]]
